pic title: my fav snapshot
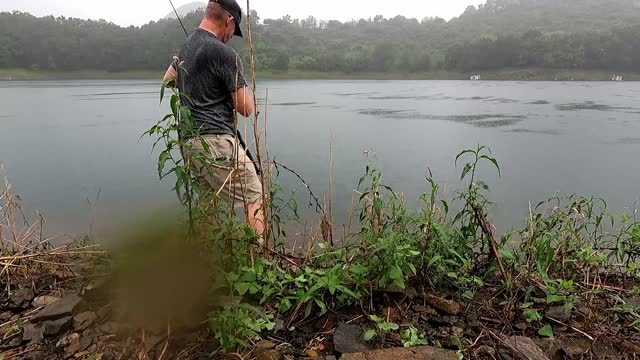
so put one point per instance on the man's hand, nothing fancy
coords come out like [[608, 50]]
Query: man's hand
[[170, 76], [243, 101]]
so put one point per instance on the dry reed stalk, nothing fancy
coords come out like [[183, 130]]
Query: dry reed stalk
[[23, 249], [256, 135]]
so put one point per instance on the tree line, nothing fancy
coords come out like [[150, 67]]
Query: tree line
[[589, 34]]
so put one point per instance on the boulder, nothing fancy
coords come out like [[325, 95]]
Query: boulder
[[558, 313], [6, 316], [83, 320], [21, 298], [56, 327], [85, 342], [348, 339], [422, 353], [32, 333], [44, 300], [446, 306], [525, 348], [58, 309], [273, 354]]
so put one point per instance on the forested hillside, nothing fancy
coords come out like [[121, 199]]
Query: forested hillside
[[582, 34]]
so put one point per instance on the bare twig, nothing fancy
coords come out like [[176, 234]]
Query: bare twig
[[572, 328]]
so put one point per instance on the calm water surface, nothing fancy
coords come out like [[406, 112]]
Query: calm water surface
[[73, 149]]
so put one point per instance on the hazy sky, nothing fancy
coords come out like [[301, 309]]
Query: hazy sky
[[137, 12]]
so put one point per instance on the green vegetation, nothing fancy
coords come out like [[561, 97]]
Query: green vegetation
[[22, 74], [571, 253], [580, 35]]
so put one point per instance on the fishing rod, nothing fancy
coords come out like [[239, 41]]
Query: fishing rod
[[179, 20]]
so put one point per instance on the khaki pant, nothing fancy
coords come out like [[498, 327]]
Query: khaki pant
[[225, 168]]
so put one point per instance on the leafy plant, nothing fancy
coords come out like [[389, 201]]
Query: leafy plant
[[382, 327], [532, 315], [546, 331], [233, 325], [411, 338]]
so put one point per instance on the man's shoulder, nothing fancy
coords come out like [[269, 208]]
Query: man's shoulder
[[227, 52]]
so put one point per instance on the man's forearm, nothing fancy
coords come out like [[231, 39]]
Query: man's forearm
[[170, 75]]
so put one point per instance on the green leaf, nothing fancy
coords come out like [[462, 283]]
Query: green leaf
[[546, 331], [434, 260], [494, 161], [387, 326], [242, 288], [399, 283], [162, 160], [466, 170], [284, 306], [446, 206], [253, 289], [462, 153], [376, 318], [506, 254], [322, 306], [164, 86], [332, 283], [358, 269], [249, 276], [412, 268], [555, 298], [347, 291], [482, 185], [532, 315], [370, 334], [174, 105], [377, 206], [395, 273]]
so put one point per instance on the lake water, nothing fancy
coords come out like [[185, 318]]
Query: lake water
[[64, 143]]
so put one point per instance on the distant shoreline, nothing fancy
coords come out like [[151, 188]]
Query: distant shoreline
[[497, 75]]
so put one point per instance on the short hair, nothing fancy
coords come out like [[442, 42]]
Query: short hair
[[215, 12]]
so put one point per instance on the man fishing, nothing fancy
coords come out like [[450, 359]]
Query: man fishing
[[211, 74]]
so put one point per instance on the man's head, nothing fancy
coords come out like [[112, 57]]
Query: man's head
[[226, 15]]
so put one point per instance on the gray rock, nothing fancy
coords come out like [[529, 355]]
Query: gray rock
[[330, 357], [552, 347], [633, 302], [421, 353], [32, 333], [521, 326], [348, 339], [85, 342], [66, 341], [558, 313], [6, 316], [446, 306], [83, 320], [14, 342], [272, 354], [55, 327], [44, 300], [265, 345], [21, 298], [34, 355], [58, 309], [70, 344], [525, 348], [98, 291]]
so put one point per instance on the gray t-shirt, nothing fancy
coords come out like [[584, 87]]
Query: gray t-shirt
[[210, 72]]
